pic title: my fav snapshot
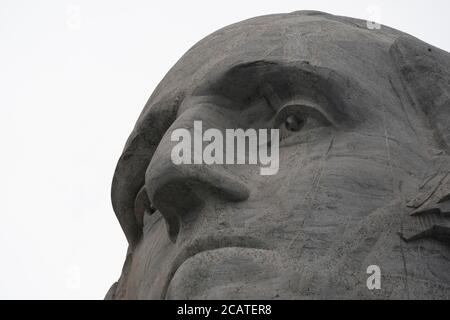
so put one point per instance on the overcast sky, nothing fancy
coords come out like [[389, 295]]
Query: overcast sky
[[74, 76]]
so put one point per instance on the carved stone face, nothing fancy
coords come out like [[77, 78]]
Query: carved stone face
[[345, 175]]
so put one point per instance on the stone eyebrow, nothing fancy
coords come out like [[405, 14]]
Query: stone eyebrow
[[280, 82]]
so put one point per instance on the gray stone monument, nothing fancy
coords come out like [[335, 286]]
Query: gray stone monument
[[364, 173]]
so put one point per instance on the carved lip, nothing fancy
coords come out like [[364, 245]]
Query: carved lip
[[209, 243]]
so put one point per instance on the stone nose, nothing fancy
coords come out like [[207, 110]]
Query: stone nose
[[178, 189]]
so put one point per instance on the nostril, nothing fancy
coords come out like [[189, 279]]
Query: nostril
[[175, 200], [142, 205], [178, 191]]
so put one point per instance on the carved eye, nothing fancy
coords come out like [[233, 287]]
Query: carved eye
[[292, 119], [294, 123]]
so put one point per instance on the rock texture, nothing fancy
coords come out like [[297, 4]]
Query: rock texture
[[368, 186]]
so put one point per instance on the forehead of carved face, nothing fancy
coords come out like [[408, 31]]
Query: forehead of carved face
[[361, 145]]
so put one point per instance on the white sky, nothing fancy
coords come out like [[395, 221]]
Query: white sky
[[74, 76]]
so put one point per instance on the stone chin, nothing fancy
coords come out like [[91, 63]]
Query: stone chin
[[363, 175]]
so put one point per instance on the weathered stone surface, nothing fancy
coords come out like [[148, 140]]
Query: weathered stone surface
[[349, 190]]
